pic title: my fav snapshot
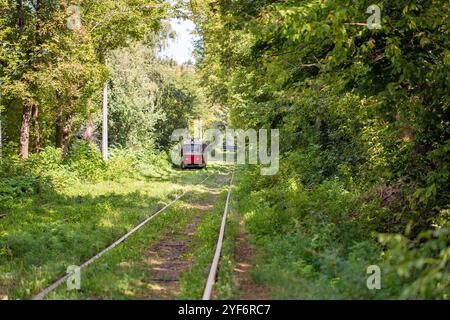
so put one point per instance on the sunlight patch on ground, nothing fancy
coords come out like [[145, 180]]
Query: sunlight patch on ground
[[249, 215], [129, 293], [105, 223], [155, 287], [123, 265]]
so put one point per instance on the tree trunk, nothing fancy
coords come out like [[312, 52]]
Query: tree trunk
[[88, 134], [25, 132], [67, 129], [20, 16], [63, 130], [36, 129]]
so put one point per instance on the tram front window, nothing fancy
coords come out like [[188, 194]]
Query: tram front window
[[192, 149]]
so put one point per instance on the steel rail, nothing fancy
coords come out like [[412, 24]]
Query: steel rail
[[63, 279], [215, 264]]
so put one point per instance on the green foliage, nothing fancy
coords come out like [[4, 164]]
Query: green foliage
[[44, 233], [422, 265], [363, 116], [311, 235], [14, 188], [149, 98], [56, 73], [86, 160]]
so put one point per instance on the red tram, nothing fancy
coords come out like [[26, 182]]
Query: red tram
[[193, 154]]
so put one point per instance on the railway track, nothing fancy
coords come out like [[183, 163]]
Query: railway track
[[207, 294], [214, 266]]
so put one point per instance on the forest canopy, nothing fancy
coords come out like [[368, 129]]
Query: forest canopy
[[364, 120], [56, 57]]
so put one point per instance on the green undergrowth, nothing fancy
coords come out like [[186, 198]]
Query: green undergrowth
[[317, 242], [45, 231], [48, 172]]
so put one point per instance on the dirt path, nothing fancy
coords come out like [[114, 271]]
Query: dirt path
[[166, 259], [244, 255]]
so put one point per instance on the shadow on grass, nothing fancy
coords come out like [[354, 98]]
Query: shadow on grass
[[45, 233]]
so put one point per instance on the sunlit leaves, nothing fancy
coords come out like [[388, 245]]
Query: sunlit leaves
[[374, 102]]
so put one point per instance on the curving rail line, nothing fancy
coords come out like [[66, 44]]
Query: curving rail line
[[63, 279]]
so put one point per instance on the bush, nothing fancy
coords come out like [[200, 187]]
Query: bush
[[318, 240], [48, 171], [86, 161], [13, 188], [421, 266]]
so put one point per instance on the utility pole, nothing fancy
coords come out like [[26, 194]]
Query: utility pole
[[198, 130], [105, 123]]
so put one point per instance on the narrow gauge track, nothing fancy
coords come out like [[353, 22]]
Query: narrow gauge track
[[214, 266], [63, 279]]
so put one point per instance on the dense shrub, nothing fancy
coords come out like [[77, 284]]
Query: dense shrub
[[318, 239], [12, 189], [86, 161], [421, 266], [48, 171], [364, 138]]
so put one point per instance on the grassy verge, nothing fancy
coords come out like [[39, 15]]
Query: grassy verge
[[308, 247], [43, 234]]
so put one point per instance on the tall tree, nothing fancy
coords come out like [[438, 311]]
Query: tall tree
[[36, 37]]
